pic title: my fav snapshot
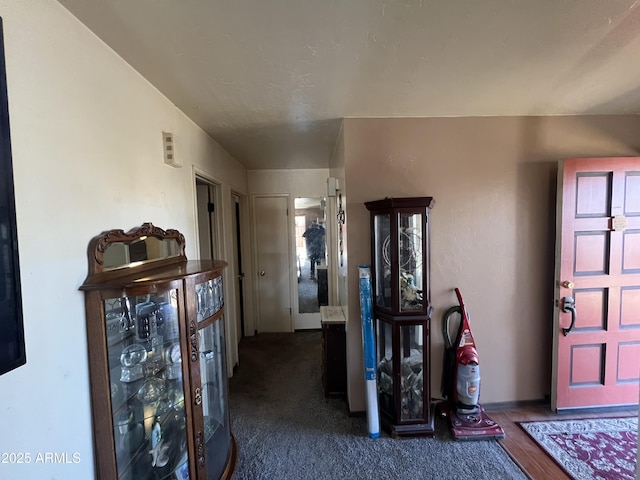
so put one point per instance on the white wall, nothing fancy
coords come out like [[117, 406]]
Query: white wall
[[87, 152], [297, 183]]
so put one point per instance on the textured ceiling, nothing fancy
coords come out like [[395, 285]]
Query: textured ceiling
[[271, 79]]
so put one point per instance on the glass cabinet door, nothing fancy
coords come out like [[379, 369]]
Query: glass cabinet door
[[409, 257], [382, 253], [411, 372], [213, 434], [147, 391], [384, 341], [213, 377]]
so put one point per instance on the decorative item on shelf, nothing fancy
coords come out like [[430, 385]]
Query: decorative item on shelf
[[173, 360], [168, 319], [150, 394], [146, 325], [133, 438], [159, 448], [132, 359]]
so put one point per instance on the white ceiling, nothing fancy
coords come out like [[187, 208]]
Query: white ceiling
[[271, 79]]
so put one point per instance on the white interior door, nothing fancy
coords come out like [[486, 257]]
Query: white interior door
[[273, 263]]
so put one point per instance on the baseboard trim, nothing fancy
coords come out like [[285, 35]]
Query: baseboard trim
[[515, 404], [487, 406], [613, 408]]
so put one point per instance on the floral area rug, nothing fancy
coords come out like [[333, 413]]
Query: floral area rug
[[600, 448]]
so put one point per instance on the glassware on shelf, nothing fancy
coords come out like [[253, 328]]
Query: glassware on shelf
[[168, 318], [173, 361], [132, 358], [209, 298], [150, 394]]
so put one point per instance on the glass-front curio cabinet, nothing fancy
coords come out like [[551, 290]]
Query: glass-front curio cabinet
[[402, 311], [156, 339]]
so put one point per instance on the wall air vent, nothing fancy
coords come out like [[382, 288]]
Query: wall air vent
[[172, 154]]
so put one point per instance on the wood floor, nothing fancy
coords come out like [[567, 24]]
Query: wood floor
[[524, 451]]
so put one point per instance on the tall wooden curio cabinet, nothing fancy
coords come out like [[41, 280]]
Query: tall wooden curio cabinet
[[402, 312], [156, 339]]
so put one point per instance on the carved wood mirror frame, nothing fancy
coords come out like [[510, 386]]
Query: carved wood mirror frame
[[100, 244]]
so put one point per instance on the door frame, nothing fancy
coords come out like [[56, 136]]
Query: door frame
[[307, 321], [219, 226], [214, 230], [240, 248]]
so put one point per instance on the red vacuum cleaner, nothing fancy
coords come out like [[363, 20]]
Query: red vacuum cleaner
[[461, 382]]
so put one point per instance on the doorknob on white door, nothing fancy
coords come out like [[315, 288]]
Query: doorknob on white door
[[262, 273]]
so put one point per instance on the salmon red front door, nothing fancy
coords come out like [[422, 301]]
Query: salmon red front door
[[597, 361]]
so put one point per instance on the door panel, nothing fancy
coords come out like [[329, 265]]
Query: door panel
[[204, 196], [274, 272], [237, 261], [598, 265]]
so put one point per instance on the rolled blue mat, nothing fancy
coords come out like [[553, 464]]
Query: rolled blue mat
[[369, 349]]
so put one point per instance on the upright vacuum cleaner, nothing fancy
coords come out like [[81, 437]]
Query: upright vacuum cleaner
[[461, 382]]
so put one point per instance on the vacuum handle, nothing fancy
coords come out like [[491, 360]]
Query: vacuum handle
[[569, 305]]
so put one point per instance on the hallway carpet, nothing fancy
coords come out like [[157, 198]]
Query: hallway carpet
[[285, 429]]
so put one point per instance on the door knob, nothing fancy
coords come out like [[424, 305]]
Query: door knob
[[262, 273], [569, 305], [567, 284]]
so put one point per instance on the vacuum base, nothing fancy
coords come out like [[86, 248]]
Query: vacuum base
[[470, 426]]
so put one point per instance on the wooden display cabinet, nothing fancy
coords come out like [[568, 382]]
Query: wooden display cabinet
[[156, 340], [402, 313]]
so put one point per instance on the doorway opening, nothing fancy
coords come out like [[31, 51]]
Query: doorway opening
[[237, 258], [311, 254], [206, 196]]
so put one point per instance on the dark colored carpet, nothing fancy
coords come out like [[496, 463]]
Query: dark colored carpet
[[285, 429]]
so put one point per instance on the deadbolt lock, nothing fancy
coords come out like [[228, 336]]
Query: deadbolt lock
[[567, 284]]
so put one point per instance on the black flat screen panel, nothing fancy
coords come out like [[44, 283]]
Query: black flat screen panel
[[12, 351]]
